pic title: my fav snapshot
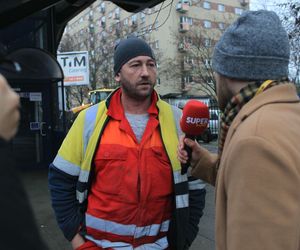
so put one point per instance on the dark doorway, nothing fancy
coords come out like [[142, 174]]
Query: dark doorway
[[32, 146]]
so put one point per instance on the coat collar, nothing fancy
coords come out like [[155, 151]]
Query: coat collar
[[283, 93]]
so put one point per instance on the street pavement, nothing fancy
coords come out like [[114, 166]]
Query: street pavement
[[205, 239], [36, 185]]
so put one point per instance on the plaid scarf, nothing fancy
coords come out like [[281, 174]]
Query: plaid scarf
[[235, 105]]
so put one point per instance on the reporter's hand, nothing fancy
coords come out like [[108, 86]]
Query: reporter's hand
[[182, 154], [203, 163], [9, 110], [77, 241]]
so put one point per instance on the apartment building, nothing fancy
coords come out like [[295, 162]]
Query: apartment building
[[177, 30]]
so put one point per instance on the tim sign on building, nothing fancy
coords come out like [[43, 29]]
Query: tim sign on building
[[75, 66]]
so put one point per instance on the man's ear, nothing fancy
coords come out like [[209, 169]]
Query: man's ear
[[117, 77]]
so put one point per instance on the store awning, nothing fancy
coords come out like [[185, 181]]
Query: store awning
[[31, 64]]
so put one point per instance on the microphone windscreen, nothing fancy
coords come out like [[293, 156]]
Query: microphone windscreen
[[195, 118]]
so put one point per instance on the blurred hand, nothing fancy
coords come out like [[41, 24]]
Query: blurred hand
[[9, 110]]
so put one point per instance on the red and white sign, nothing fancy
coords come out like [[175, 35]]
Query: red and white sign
[[75, 66]]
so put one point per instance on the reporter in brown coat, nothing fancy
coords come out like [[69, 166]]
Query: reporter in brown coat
[[257, 170]]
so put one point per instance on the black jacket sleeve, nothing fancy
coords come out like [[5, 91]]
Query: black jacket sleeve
[[18, 227], [63, 196]]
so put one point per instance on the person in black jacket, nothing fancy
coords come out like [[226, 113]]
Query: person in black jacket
[[18, 227]]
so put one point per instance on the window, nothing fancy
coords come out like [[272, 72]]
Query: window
[[142, 16], [134, 19], [157, 64], [221, 7], [207, 63], [117, 13], [185, 2], [148, 11], [102, 7], [207, 24], [187, 40], [221, 26], [156, 25], [143, 30], [91, 28], [188, 60], [91, 12], [185, 19], [103, 21], [156, 44], [206, 5], [157, 81], [238, 11], [207, 42], [188, 79], [81, 19], [110, 14], [125, 22]]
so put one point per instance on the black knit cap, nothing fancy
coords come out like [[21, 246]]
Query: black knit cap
[[128, 49]]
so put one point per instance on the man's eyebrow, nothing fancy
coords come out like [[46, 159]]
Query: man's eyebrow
[[141, 61]]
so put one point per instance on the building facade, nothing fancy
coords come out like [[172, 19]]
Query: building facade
[[182, 34]]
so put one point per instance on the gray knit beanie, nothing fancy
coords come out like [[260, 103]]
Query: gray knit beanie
[[254, 47], [128, 49]]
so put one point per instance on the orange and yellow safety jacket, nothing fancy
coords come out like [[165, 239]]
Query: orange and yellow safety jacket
[[70, 177]]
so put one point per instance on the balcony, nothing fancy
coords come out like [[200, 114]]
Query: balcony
[[184, 27], [182, 7]]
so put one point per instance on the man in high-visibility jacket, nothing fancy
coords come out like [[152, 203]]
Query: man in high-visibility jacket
[[115, 182]]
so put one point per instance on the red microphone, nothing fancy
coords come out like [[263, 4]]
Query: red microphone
[[194, 120]]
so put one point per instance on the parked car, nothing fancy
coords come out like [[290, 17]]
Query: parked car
[[212, 130]]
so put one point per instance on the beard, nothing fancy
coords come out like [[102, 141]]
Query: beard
[[137, 91]]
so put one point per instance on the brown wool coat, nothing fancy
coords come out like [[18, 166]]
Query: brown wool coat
[[258, 181]]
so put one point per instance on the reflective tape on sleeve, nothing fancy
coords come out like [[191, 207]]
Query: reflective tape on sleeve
[[196, 184], [66, 166]]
